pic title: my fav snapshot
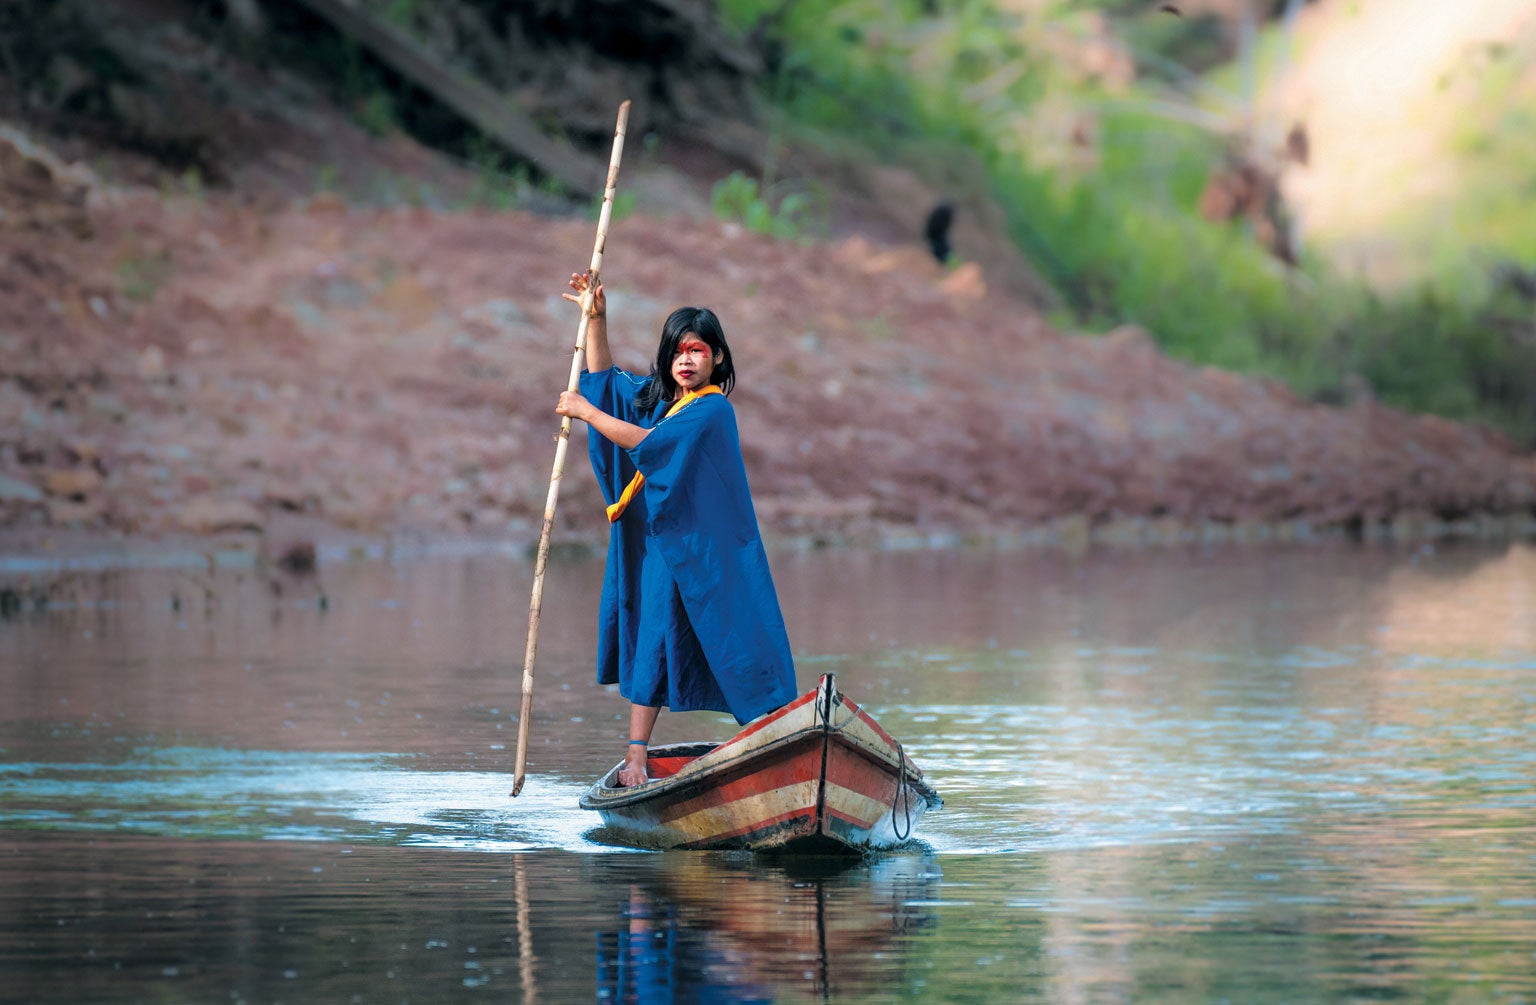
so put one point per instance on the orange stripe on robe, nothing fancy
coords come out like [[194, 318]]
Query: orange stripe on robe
[[636, 483]]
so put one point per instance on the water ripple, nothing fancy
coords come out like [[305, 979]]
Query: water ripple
[[304, 796]]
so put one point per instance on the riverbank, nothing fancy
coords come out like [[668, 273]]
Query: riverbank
[[197, 367]]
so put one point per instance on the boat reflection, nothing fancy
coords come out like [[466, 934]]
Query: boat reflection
[[693, 926]]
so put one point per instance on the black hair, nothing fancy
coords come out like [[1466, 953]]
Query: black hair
[[700, 321]]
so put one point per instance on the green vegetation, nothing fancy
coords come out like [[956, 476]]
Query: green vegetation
[[375, 112], [363, 87], [498, 185], [327, 178], [1114, 224], [503, 183], [792, 216], [140, 275], [624, 203]]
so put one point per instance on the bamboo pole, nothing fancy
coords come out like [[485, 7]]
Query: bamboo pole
[[541, 563]]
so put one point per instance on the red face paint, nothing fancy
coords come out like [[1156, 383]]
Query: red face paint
[[693, 347]]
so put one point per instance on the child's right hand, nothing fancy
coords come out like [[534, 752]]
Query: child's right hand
[[572, 404], [591, 299]]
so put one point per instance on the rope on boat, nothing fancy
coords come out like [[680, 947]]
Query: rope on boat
[[824, 713], [901, 793]]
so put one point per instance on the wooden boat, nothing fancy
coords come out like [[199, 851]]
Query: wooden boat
[[817, 775]]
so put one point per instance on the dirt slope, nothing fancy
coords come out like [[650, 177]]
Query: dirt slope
[[209, 363]]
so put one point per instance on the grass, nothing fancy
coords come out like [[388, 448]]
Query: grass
[[141, 275]]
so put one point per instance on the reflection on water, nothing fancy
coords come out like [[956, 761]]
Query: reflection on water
[[134, 919], [712, 928], [1300, 775]]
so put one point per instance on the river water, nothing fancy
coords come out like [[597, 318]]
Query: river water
[[1301, 774]]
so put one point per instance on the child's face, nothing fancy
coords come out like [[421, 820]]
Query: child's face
[[694, 363]]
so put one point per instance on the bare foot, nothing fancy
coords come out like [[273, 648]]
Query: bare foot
[[633, 772]]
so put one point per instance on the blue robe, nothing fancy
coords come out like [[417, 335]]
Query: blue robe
[[689, 618]]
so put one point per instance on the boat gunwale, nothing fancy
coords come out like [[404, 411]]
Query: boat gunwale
[[687, 775], [694, 770], [602, 797]]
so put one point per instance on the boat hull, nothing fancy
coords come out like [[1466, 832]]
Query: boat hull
[[818, 774]]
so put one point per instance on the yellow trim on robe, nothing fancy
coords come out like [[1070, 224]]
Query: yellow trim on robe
[[633, 488]]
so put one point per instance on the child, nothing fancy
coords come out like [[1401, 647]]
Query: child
[[689, 618]]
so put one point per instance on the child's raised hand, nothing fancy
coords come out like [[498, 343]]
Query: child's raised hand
[[591, 300]]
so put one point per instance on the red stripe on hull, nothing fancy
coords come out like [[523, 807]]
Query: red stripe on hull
[[752, 781], [666, 767], [869, 779]]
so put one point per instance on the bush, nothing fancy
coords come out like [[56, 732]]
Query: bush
[[737, 198]]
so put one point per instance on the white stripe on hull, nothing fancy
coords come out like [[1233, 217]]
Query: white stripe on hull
[[855, 805], [733, 816]]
